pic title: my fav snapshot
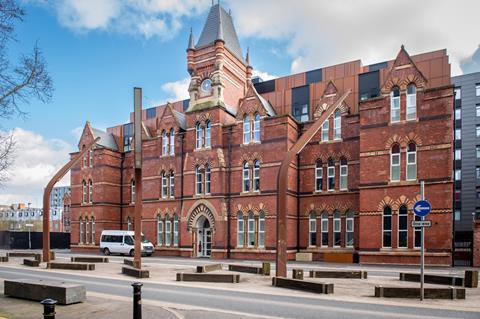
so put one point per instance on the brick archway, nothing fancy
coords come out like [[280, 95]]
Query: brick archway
[[198, 211]]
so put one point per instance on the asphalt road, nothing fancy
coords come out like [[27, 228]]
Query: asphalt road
[[254, 304]]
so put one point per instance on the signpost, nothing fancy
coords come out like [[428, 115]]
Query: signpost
[[29, 236], [422, 208]]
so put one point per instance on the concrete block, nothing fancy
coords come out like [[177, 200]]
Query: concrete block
[[209, 268], [71, 266], [433, 279], [264, 270], [303, 256], [228, 278], [316, 287], [134, 272], [89, 259], [15, 254], [38, 290], [338, 274], [471, 278], [31, 262], [429, 293], [128, 262], [297, 274]]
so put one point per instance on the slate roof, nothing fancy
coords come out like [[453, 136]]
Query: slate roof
[[219, 24], [106, 139]]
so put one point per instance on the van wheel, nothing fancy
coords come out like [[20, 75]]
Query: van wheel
[[132, 253], [106, 251]]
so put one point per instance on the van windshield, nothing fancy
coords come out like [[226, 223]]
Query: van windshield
[[144, 239]]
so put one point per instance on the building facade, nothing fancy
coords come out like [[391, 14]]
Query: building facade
[[210, 163], [20, 217], [466, 163]]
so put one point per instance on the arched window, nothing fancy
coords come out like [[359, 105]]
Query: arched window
[[198, 136], [84, 157], [256, 128], [395, 163], [251, 230], [84, 191], [350, 226], [198, 180], [318, 176], [81, 230], [411, 162], [395, 105], [164, 185], [129, 223], [261, 229], [90, 157], [331, 174], [343, 174], [159, 231], [256, 176], [387, 227], [325, 131], [175, 230], [246, 177], [240, 230], [132, 191], [246, 129], [172, 142], [168, 231], [324, 229], [337, 228], [208, 176], [402, 227], [312, 229], [87, 237], [172, 184], [164, 143], [208, 134], [92, 227], [90, 191], [337, 125], [411, 102]]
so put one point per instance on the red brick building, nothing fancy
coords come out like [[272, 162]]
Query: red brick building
[[210, 163]]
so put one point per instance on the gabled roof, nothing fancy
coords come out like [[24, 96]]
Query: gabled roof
[[252, 93], [219, 26], [106, 139]]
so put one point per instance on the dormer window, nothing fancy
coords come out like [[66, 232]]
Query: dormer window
[[172, 142], [256, 128], [337, 125], [164, 143], [395, 105], [251, 128], [246, 129], [411, 102]]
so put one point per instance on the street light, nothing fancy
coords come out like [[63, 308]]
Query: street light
[[29, 226]]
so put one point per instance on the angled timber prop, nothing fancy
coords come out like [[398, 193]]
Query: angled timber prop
[[46, 197], [282, 184]]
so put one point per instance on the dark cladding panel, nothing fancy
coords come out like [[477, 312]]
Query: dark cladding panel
[[185, 104], [314, 76], [368, 85], [377, 66], [151, 113], [265, 87], [300, 103]]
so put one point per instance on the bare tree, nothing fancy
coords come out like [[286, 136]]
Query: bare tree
[[27, 79]]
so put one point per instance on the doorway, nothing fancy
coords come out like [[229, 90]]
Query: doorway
[[204, 237]]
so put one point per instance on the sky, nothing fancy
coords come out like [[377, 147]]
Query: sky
[[98, 50]]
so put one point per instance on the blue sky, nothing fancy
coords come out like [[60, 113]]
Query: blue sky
[[98, 50]]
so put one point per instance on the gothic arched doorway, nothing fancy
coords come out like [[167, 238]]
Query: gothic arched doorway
[[201, 222], [204, 237]]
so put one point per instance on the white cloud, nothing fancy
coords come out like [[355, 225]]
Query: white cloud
[[265, 76], [320, 32], [37, 160], [162, 18], [77, 132], [176, 91]]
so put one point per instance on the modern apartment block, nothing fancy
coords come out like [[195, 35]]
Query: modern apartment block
[[466, 163]]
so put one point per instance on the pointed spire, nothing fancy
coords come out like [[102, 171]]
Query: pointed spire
[[191, 43], [247, 57], [220, 27]]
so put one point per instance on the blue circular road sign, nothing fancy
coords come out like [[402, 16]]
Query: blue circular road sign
[[422, 208]]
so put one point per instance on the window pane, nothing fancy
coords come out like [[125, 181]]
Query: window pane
[[458, 114]]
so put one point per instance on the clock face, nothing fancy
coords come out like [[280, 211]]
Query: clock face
[[206, 85]]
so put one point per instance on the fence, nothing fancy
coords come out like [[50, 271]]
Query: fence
[[19, 240]]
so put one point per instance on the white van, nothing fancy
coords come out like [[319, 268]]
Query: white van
[[122, 242]]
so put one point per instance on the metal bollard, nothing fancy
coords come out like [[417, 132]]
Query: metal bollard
[[48, 308], [137, 300]]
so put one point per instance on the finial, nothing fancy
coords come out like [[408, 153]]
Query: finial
[[229, 12], [247, 58], [212, 3], [191, 44], [220, 28], [403, 47]]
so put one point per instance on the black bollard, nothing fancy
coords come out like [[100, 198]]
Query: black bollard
[[48, 308], [137, 300]]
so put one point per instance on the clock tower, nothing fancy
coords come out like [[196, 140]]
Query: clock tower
[[216, 66]]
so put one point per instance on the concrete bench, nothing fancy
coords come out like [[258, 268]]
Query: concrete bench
[[264, 270], [134, 272], [316, 287], [3, 259], [35, 289], [338, 274], [36, 256], [128, 262], [410, 292], [433, 279], [471, 279], [31, 262], [71, 266], [89, 259], [228, 278], [209, 268]]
